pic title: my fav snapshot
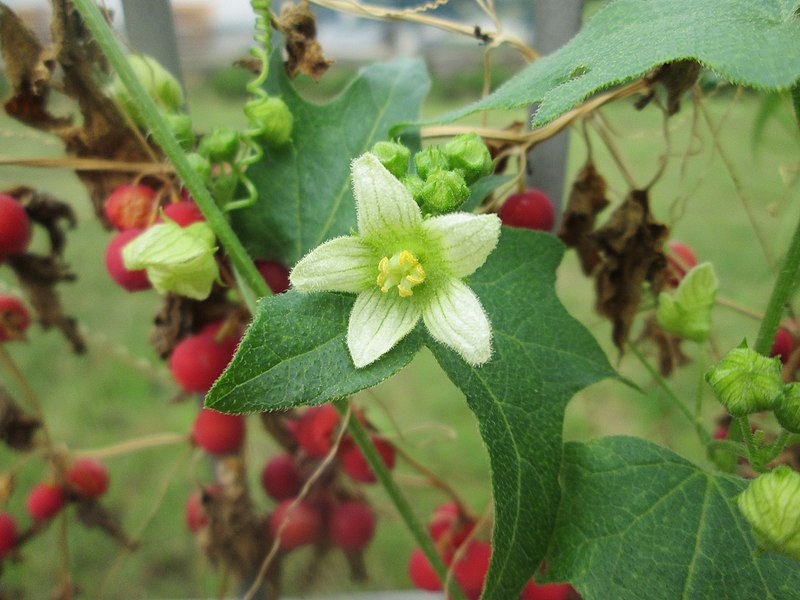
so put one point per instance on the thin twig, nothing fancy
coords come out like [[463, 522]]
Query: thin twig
[[142, 443]]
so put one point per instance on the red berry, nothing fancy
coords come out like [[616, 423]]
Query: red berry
[[783, 345], [130, 280], [448, 521], [44, 501], [470, 571], [546, 591], [130, 206], [196, 516], [280, 477], [184, 213], [88, 477], [315, 429], [351, 525], [275, 274], [14, 318], [303, 524], [680, 259], [720, 432], [356, 466], [421, 572], [15, 227], [218, 433], [531, 209], [198, 360], [8, 534]]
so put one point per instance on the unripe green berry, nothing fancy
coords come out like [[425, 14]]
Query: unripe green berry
[[393, 156], [746, 382], [272, 119], [429, 161], [788, 411], [469, 155], [414, 185], [771, 504], [200, 165], [181, 126], [443, 192], [220, 145], [159, 83]]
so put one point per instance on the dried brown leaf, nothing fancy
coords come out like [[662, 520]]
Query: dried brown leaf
[[17, 428], [298, 25], [630, 252], [670, 355], [677, 78], [587, 199], [47, 211], [93, 514]]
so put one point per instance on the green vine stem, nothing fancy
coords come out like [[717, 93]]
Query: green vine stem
[[105, 38], [362, 440]]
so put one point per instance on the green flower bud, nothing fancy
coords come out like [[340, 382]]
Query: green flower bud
[[181, 126], [393, 156], [220, 145], [771, 504], [200, 165], [788, 411], [429, 161], [414, 185], [159, 83], [443, 192], [469, 155], [688, 313], [177, 259], [746, 382], [272, 119]]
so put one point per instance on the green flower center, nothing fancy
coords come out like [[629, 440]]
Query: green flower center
[[402, 271]]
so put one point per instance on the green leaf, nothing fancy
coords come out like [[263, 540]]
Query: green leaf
[[688, 312], [638, 521], [304, 186], [295, 354], [542, 356], [748, 42]]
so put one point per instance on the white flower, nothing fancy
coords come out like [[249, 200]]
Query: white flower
[[404, 268]]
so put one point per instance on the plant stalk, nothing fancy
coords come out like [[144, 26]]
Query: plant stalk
[[161, 132]]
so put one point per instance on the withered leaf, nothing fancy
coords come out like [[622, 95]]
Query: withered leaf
[[47, 211], [587, 199], [630, 253], [670, 355], [93, 514], [299, 27], [676, 77], [17, 428]]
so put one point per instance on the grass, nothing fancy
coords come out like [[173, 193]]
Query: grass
[[118, 390]]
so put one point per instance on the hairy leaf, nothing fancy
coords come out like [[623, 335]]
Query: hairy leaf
[[638, 521], [542, 356]]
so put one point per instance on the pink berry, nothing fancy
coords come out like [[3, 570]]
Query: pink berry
[[356, 466], [131, 206], [15, 227], [218, 433], [315, 429], [303, 524], [8, 534], [470, 571], [783, 345], [88, 477], [421, 572], [351, 525], [280, 477], [531, 209], [275, 274], [680, 260], [198, 360], [546, 591], [184, 213], [14, 318], [44, 501], [447, 525], [132, 281]]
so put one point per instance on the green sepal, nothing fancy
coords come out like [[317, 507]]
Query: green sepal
[[788, 411], [159, 83], [272, 120], [746, 382], [393, 156], [469, 155], [200, 165], [442, 192], [688, 312], [429, 161], [181, 126], [220, 145]]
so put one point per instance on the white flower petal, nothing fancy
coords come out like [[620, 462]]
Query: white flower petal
[[465, 240], [456, 318], [379, 320], [343, 264], [383, 204]]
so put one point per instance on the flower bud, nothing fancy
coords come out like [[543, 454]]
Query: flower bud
[[393, 156], [272, 118], [746, 382], [429, 161], [469, 155], [159, 83], [771, 504], [181, 126], [220, 145], [688, 312], [443, 192], [200, 165], [414, 185], [788, 411], [177, 259]]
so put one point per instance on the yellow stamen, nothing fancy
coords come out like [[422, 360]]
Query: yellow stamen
[[402, 271]]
